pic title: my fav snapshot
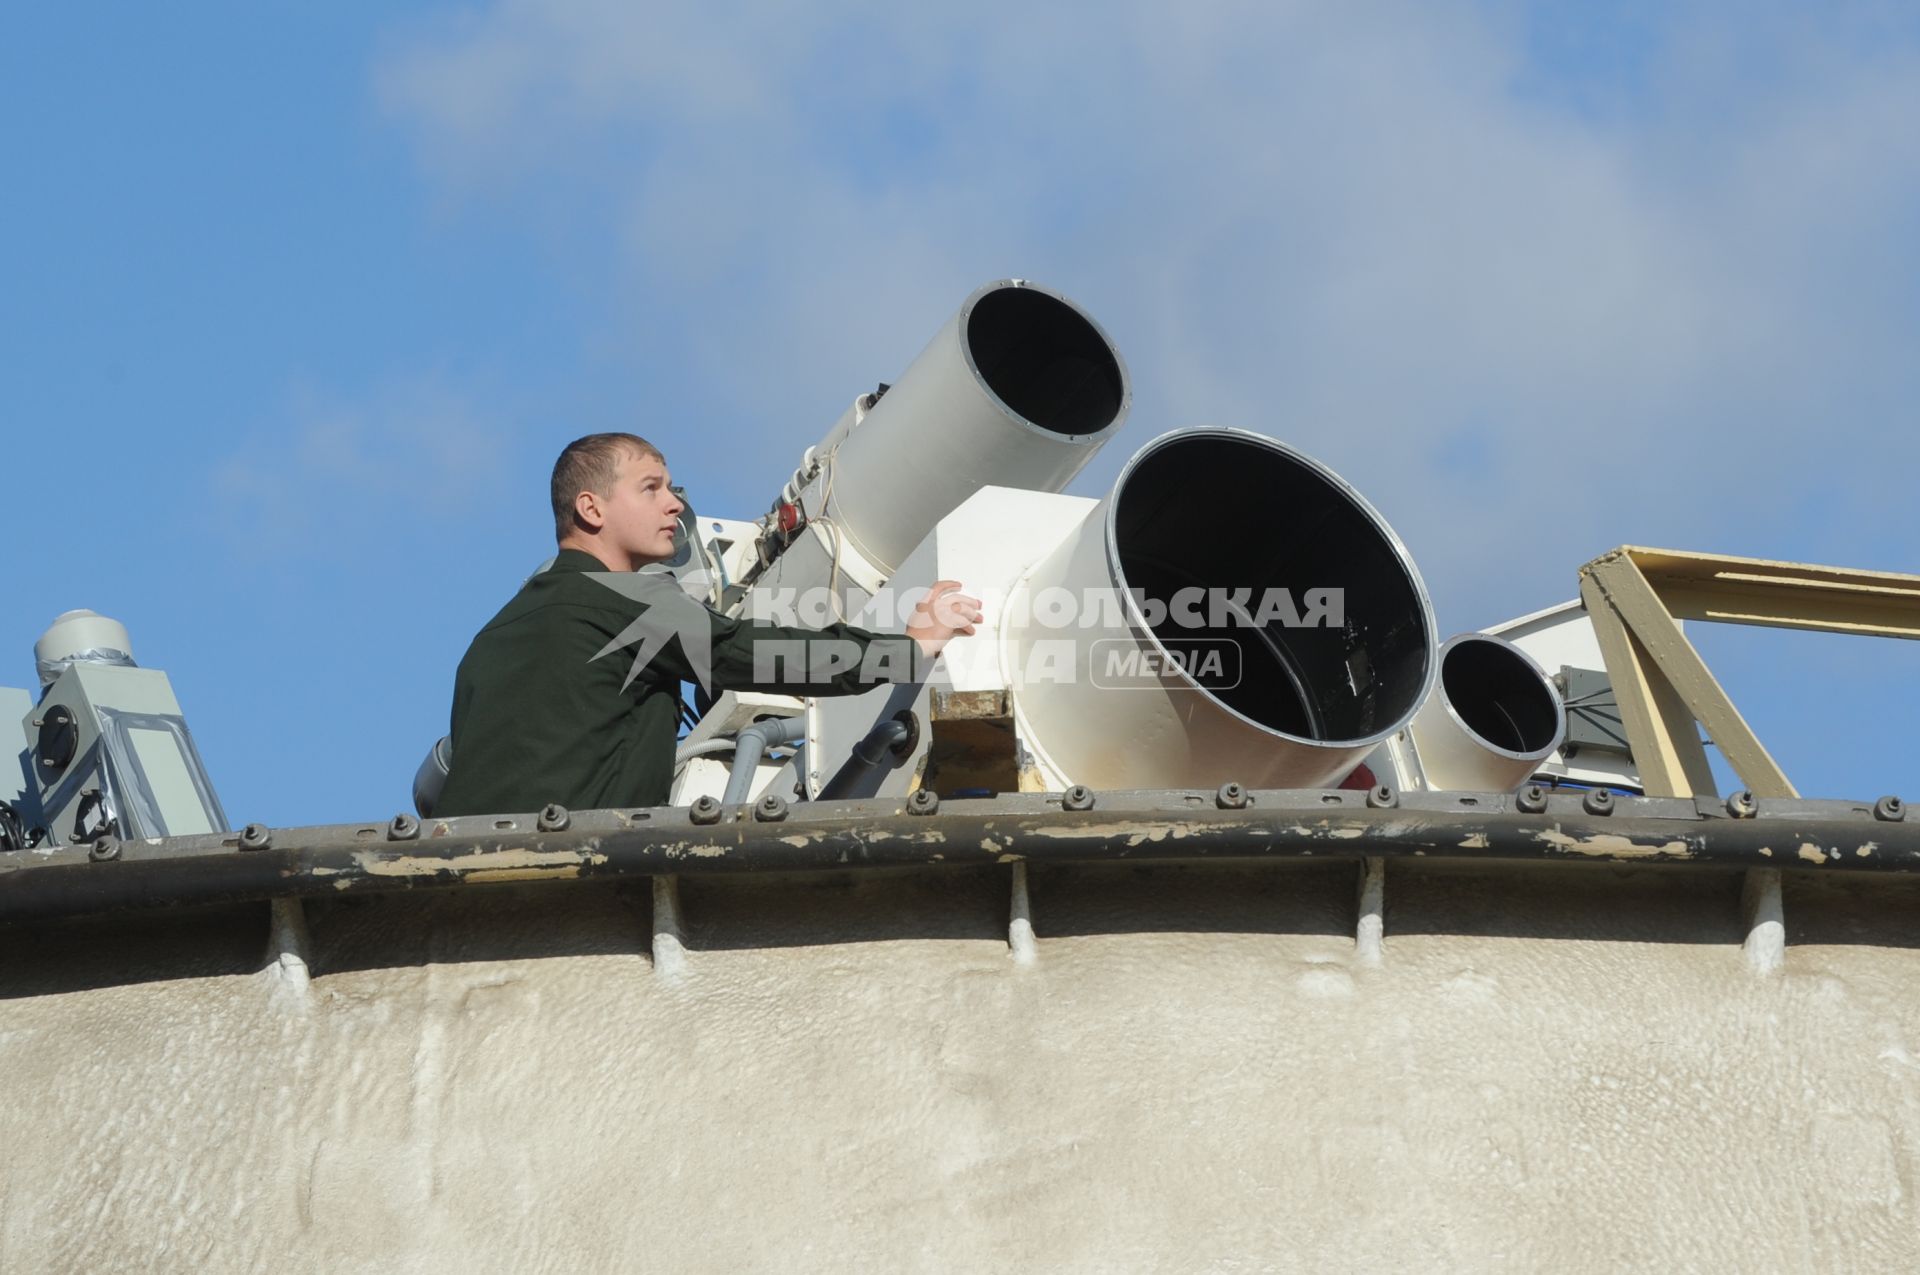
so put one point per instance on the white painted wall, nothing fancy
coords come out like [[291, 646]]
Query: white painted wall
[[1556, 1069]]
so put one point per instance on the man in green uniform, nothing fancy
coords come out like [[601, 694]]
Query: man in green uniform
[[548, 704]]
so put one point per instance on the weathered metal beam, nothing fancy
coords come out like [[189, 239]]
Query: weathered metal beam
[[1634, 598], [1661, 733], [1794, 595], [1164, 827]]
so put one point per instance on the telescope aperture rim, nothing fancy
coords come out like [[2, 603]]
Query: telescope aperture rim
[[1121, 409], [1532, 665], [1391, 538]]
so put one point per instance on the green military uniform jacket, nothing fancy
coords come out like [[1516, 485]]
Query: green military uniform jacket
[[544, 711]]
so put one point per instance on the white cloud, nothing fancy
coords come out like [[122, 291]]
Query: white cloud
[[1529, 331]]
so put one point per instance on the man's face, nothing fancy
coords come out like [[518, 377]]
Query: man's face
[[642, 513]]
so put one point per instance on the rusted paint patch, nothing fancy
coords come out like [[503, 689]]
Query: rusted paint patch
[[1607, 845], [700, 850], [534, 862], [1131, 833], [484, 876], [1812, 853], [1868, 849]]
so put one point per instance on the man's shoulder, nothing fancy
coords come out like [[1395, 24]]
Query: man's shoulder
[[555, 595]]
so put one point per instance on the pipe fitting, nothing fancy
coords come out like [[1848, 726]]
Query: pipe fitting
[[750, 745]]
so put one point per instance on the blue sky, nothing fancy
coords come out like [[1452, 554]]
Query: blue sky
[[298, 304]]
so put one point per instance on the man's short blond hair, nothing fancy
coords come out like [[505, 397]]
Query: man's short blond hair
[[591, 464]]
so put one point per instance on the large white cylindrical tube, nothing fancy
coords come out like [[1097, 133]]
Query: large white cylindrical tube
[[1018, 389], [1224, 541], [1493, 718]]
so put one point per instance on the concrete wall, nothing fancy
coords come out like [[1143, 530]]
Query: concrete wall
[[1551, 1068]]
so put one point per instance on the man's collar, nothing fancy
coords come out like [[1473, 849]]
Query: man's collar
[[576, 560]]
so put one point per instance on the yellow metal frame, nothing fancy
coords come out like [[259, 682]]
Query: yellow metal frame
[[1634, 596]]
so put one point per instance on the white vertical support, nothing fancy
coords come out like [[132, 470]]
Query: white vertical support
[[1766, 945], [1369, 934], [1020, 941], [289, 947], [669, 936]]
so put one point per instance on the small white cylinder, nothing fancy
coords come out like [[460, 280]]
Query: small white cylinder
[[1494, 717], [1020, 388], [80, 635]]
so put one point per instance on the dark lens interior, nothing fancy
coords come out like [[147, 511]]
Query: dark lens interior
[[1236, 514], [1045, 361], [1499, 696]]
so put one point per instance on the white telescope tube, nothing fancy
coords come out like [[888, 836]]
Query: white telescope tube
[[1018, 389], [1199, 522], [1493, 718]]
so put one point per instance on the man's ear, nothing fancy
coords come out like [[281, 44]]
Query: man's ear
[[588, 510]]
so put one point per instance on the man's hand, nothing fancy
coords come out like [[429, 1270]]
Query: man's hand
[[943, 615]]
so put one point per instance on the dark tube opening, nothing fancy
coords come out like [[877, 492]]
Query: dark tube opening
[[1045, 361], [1500, 696], [1240, 519]]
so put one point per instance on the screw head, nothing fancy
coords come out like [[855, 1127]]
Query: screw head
[[256, 836], [1889, 809], [554, 818], [1532, 800], [1382, 797], [771, 808], [923, 801], [1078, 797], [1742, 805], [103, 849], [705, 810], [1598, 801], [403, 828], [1231, 796]]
